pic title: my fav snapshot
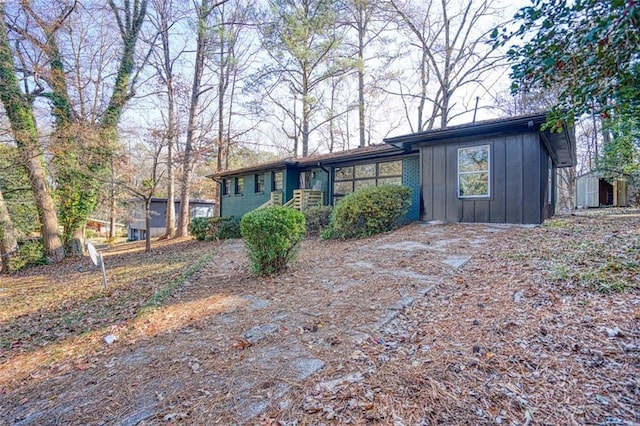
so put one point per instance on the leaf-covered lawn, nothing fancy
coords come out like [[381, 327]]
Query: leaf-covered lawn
[[450, 324], [49, 304]]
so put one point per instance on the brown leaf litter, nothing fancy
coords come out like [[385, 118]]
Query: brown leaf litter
[[430, 324]]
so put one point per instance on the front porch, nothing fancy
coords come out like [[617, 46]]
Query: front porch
[[302, 199]]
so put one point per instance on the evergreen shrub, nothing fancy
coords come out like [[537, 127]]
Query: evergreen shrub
[[317, 219], [272, 236], [368, 211], [225, 227], [30, 253], [198, 228], [215, 228]]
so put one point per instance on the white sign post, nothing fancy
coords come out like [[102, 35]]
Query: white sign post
[[97, 260]]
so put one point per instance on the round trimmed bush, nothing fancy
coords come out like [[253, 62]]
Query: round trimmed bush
[[272, 236], [369, 211]]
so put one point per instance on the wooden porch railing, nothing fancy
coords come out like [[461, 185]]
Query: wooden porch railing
[[302, 199], [305, 198], [275, 200]]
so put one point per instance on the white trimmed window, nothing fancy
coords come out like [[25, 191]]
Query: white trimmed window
[[474, 180]]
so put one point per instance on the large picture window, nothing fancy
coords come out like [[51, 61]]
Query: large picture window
[[473, 172], [348, 179]]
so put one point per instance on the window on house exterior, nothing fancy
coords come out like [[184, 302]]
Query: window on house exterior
[[226, 186], [278, 179], [202, 211], [259, 182], [350, 178], [473, 172], [239, 185], [305, 180]]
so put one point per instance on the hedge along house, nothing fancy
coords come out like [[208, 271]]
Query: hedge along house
[[500, 171], [496, 171], [319, 179]]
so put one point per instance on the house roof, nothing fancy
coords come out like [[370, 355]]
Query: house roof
[[561, 145], [333, 158], [164, 200]]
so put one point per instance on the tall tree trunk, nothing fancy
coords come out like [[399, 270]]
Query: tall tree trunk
[[23, 124], [8, 241], [163, 8], [112, 210], [187, 165], [77, 191], [361, 34], [170, 217], [222, 86], [147, 223], [306, 115]]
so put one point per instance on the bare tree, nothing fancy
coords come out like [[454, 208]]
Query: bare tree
[[304, 42], [231, 51], [365, 17], [204, 10], [165, 17], [452, 43]]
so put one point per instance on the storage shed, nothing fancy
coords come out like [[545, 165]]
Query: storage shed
[[592, 190]]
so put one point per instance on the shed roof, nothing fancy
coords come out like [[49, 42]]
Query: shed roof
[[164, 200], [561, 145]]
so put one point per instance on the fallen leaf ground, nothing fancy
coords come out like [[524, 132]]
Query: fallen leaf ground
[[430, 324]]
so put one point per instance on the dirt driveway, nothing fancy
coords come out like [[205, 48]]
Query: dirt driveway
[[431, 324]]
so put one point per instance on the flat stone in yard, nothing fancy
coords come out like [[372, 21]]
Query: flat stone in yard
[[360, 265], [267, 375], [457, 261], [256, 302], [414, 275], [404, 246], [260, 332]]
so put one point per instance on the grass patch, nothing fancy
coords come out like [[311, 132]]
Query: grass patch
[[161, 295], [610, 277]]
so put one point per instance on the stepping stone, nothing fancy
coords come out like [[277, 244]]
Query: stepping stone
[[457, 262]]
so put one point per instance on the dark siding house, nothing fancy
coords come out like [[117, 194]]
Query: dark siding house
[[495, 171], [330, 176], [136, 228]]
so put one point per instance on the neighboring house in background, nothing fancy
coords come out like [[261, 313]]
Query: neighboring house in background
[[101, 227], [494, 171], [592, 190], [136, 228]]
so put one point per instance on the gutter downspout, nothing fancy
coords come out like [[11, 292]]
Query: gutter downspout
[[329, 183]]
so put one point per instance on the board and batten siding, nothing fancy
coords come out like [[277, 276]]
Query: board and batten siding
[[518, 169]]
